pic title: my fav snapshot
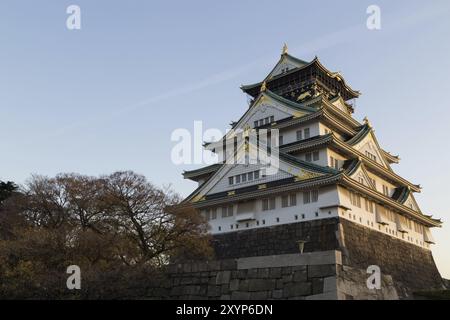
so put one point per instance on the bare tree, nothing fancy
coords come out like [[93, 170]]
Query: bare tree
[[118, 228]]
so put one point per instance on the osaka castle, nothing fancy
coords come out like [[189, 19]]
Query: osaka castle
[[325, 181]]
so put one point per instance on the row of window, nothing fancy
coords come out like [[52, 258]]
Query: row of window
[[374, 182], [355, 199], [263, 221], [305, 134], [334, 163], [312, 156], [211, 213], [371, 207], [301, 135], [289, 200], [244, 177], [392, 231], [261, 122], [371, 156]]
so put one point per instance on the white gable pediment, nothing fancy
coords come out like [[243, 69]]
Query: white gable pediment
[[279, 170], [361, 176], [266, 106], [411, 203], [340, 104], [369, 147], [285, 64]]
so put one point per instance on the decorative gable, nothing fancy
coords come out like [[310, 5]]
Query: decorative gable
[[360, 175], [410, 202], [220, 181], [341, 105], [368, 146], [285, 64]]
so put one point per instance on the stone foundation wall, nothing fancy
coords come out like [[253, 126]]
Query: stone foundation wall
[[282, 239], [266, 263], [291, 276], [308, 276], [412, 268]]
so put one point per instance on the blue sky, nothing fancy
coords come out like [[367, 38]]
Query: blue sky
[[107, 97]]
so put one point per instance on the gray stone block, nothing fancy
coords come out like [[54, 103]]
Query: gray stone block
[[287, 278], [300, 276], [213, 291], [277, 294], [289, 260], [187, 268], [240, 295], [263, 273], [225, 289], [260, 295], [286, 270], [275, 272], [317, 285], [242, 274], [297, 289], [252, 273], [229, 264], [223, 277], [321, 271], [261, 284], [234, 285], [243, 285]]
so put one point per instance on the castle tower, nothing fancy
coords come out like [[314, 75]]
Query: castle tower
[[334, 189]]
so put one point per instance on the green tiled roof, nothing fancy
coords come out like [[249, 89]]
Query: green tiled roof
[[365, 129], [307, 165], [201, 171]]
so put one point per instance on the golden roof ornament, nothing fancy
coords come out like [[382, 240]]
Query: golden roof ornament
[[263, 87], [366, 121], [285, 49]]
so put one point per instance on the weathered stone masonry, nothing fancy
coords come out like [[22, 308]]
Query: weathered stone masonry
[[333, 266]]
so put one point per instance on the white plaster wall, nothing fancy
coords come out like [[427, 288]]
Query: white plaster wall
[[368, 219], [340, 158], [327, 197], [380, 181], [264, 111], [290, 134], [223, 184], [322, 157]]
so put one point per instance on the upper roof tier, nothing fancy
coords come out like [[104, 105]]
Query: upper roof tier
[[298, 80]]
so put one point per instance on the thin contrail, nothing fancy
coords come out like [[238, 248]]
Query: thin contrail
[[320, 43]]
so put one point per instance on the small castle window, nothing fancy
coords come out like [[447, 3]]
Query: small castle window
[[308, 157], [284, 201], [293, 199], [315, 155], [306, 133], [299, 135]]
